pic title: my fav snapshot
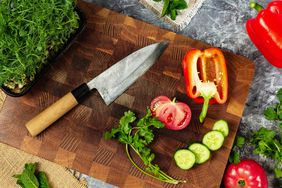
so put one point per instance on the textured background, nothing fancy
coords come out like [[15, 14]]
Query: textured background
[[221, 23]]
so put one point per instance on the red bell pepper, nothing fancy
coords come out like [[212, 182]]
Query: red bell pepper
[[206, 77], [246, 174], [266, 33]]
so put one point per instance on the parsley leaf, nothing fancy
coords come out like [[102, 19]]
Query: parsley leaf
[[270, 114], [279, 95], [268, 143], [240, 141], [275, 113], [278, 173], [235, 155], [138, 139]]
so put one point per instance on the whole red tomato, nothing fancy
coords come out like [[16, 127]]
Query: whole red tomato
[[246, 174], [174, 115]]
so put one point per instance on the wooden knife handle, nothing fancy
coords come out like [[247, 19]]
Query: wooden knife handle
[[51, 114]]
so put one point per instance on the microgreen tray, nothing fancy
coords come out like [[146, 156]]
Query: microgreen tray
[[28, 87]]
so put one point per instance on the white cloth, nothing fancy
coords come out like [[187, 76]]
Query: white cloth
[[184, 16]]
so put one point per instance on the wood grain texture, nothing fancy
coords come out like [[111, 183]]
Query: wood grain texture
[[76, 140]]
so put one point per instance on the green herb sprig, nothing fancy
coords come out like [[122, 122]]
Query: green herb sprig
[[31, 31], [138, 138], [268, 143], [235, 155], [171, 7], [275, 113], [29, 178]]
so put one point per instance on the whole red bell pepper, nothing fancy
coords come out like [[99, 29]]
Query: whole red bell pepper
[[265, 31], [206, 77], [246, 174]]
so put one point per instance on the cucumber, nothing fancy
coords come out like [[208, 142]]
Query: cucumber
[[184, 159], [221, 126], [201, 152], [213, 140]]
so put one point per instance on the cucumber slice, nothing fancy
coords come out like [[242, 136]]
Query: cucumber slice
[[213, 140], [201, 152], [184, 159], [221, 126]]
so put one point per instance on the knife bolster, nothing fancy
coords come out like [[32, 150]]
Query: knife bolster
[[80, 92]]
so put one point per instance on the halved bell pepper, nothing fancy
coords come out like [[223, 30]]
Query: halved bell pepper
[[206, 77]]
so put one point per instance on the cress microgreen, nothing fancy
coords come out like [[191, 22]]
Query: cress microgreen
[[138, 138], [32, 31], [171, 7]]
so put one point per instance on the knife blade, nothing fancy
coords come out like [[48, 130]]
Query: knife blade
[[110, 84]]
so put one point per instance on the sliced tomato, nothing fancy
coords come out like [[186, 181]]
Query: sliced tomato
[[157, 102], [174, 115]]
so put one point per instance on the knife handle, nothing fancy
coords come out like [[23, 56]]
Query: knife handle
[[51, 114]]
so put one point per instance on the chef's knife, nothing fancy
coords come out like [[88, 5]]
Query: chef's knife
[[110, 84]]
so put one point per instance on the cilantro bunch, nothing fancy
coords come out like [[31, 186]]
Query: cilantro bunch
[[171, 7], [29, 178], [138, 139], [31, 31]]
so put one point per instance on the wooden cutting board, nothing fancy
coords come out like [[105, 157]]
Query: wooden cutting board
[[76, 140]]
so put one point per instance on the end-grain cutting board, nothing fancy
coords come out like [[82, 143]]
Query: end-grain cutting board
[[76, 140]]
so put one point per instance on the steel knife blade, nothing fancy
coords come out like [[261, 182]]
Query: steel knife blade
[[110, 84]]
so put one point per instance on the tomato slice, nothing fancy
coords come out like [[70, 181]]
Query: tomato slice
[[174, 115]]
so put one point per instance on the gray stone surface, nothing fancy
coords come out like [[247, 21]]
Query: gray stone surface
[[221, 23]]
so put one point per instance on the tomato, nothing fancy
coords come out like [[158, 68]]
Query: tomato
[[246, 174], [174, 115]]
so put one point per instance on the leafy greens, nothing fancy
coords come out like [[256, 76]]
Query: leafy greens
[[171, 7], [31, 31], [275, 113], [268, 143], [235, 155], [138, 138], [29, 178]]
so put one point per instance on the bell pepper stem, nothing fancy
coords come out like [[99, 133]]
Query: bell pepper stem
[[204, 109], [256, 6]]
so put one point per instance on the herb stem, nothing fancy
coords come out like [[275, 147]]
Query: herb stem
[[173, 181], [266, 145], [162, 173], [277, 147]]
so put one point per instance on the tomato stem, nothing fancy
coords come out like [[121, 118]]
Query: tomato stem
[[241, 183], [204, 109]]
